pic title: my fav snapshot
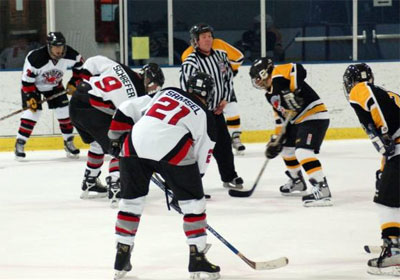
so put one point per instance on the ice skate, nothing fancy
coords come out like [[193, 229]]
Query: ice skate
[[199, 267], [235, 184], [19, 149], [122, 263], [70, 149], [388, 262], [320, 195], [295, 186], [92, 187], [114, 191], [237, 144]]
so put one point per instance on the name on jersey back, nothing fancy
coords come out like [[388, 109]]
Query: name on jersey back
[[130, 88], [184, 100]]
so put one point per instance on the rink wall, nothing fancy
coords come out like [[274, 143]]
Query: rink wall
[[256, 114]]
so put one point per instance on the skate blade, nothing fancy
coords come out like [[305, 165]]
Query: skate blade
[[72, 156], [119, 274], [390, 271], [231, 187], [204, 275], [92, 195], [295, 193], [239, 153], [20, 159], [114, 203], [318, 203]]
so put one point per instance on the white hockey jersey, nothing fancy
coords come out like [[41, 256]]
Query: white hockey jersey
[[44, 74], [176, 127], [112, 83]]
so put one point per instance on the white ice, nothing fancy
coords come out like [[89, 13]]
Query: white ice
[[47, 232]]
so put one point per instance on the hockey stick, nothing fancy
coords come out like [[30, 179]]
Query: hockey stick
[[29, 107], [370, 249], [237, 193], [271, 264]]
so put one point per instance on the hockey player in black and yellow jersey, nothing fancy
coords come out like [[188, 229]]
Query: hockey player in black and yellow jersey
[[379, 113], [288, 92], [231, 110]]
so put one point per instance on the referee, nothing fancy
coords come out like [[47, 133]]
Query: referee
[[216, 63]]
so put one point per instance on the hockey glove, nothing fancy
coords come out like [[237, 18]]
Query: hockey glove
[[273, 148], [115, 147], [383, 143], [293, 100], [71, 88], [32, 99]]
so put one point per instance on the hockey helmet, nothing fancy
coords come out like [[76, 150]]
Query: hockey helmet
[[202, 85], [260, 69], [356, 73], [56, 39], [153, 77], [198, 29]]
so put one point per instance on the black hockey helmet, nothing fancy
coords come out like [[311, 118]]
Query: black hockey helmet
[[202, 85], [56, 39], [260, 69], [356, 73], [152, 75], [198, 29]]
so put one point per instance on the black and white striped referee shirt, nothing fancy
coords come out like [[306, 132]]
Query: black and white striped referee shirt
[[216, 65]]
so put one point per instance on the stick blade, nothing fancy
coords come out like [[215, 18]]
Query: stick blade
[[272, 264], [236, 193]]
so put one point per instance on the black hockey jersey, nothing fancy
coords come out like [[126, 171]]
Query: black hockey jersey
[[291, 77], [42, 73], [379, 107]]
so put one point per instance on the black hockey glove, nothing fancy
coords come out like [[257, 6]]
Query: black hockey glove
[[273, 148], [32, 99], [293, 100], [115, 147]]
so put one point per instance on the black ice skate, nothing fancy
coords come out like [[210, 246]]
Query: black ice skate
[[237, 144], [70, 149], [388, 262], [320, 195], [122, 263], [92, 187], [295, 186], [200, 267], [235, 184], [114, 191], [19, 149]]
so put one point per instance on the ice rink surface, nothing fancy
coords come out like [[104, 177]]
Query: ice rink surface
[[48, 232]]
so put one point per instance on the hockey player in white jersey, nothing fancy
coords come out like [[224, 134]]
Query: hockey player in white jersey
[[105, 86], [43, 72], [175, 138]]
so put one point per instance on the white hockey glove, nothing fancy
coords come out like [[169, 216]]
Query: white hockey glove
[[293, 101], [382, 142]]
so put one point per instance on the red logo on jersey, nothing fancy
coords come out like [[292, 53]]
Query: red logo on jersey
[[53, 76], [210, 152]]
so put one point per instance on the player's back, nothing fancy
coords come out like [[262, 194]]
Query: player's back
[[116, 83], [386, 108], [176, 119]]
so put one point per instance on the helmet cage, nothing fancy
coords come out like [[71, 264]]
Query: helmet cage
[[260, 70]]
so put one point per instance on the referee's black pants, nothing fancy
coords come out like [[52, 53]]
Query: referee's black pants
[[223, 150]]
